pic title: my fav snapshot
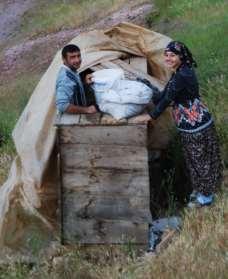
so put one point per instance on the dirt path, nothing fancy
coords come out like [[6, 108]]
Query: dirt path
[[27, 55], [11, 12]]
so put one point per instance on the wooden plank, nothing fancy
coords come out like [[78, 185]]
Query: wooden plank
[[104, 231], [136, 119], [57, 119], [103, 156], [107, 182], [90, 119], [131, 135], [107, 119], [159, 134], [109, 206], [67, 119]]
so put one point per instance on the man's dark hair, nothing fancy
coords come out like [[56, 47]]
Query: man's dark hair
[[69, 48]]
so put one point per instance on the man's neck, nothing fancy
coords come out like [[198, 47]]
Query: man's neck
[[70, 68]]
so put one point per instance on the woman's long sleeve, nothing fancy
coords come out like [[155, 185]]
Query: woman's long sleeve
[[173, 87]]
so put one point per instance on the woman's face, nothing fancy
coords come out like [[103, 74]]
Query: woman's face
[[172, 60]]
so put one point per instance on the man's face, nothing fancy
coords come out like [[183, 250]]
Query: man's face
[[73, 60]]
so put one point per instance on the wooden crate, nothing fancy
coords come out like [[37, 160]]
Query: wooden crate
[[104, 180], [104, 171]]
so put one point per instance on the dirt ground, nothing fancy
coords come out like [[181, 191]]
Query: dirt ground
[[10, 15], [35, 55]]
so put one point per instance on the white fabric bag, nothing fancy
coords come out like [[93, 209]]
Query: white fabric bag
[[119, 97], [106, 79], [119, 111]]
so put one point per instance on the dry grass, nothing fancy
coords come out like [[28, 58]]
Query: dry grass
[[199, 252], [5, 162], [201, 249]]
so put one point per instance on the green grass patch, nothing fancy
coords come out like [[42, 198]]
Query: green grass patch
[[14, 271], [51, 16], [13, 99]]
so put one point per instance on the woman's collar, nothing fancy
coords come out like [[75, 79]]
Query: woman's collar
[[178, 69]]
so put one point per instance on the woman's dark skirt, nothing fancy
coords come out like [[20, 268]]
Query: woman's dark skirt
[[202, 156]]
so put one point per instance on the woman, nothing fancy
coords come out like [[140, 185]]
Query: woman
[[193, 121]]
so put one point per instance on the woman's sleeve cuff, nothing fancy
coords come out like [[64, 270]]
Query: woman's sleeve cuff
[[153, 114]]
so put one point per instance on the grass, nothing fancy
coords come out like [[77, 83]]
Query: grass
[[205, 32], [44, 17], [52, 16], [201, 249], [14, 271], [81, 263], [199, 252], [13, 98]]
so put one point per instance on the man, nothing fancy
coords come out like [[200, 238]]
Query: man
[[70, 91]]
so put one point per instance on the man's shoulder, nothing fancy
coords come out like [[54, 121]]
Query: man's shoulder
[[61, 74], [65, 75]]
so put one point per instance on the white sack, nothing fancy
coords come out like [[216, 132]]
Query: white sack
[[106, 79], [120, 97], [119, 111], [127, 92]]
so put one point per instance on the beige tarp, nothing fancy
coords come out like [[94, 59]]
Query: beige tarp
[[29, 198]]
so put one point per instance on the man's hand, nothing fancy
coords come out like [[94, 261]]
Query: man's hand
[[88, 79], [72, 109], [91, 109]]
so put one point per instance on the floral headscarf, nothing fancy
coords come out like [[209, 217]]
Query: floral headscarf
[[184, 53]]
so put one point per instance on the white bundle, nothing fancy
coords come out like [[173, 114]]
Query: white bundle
[[106, 79], [119, 97]]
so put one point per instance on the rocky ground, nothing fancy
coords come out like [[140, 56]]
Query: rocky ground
[[11, 12], [35, 55]]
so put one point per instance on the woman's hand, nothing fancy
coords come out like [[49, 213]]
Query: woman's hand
[[142, 119]]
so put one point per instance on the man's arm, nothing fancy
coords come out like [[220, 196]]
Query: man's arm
[[64, 93], [78, 109]]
